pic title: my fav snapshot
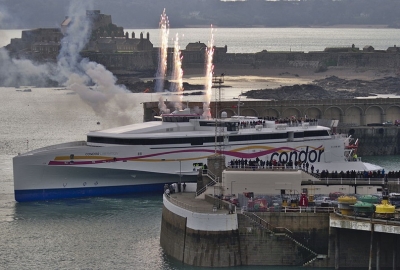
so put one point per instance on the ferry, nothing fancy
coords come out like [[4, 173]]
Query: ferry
[[144, 157]]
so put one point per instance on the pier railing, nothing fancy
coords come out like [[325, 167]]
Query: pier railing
[[281, 231], [212, 183], [56, 146], [355, 181]]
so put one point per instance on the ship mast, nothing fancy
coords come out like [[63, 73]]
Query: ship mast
[[217, 82]]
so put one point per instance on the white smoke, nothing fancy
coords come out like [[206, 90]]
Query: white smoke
[[105, 97], [75, 39], [92, 81], [16, 72]]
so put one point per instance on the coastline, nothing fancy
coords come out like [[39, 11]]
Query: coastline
[[274, 77]]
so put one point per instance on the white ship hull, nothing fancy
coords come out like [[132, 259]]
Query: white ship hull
[[143, 157], [108, 170]]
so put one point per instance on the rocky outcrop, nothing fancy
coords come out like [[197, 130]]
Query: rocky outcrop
[[330, 88]]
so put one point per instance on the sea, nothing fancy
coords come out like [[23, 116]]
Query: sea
[[118, 232]]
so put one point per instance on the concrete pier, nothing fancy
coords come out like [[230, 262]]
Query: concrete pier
[[202, 232]]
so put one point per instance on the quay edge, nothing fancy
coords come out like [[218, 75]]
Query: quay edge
[[209, 238]]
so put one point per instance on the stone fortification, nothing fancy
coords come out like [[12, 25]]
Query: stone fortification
[[113, 48]]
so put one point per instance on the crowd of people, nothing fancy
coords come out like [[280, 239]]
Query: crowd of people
[[256, 164], [261, 164], [290, 121], [353, 174]]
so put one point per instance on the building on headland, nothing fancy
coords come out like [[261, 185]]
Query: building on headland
[[44, 44], [117, 50], [122, 44], [37, 44]]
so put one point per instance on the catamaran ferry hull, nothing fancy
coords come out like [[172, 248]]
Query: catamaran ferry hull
[[49, 175], [143, 157], [74, 182], [80, 170]]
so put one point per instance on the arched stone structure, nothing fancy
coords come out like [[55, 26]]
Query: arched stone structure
[[289, 112], [313, 112], [353, 116], [333, 113], [392, 113], [248, 112], [346, 111], [270, 112], [373, 114]]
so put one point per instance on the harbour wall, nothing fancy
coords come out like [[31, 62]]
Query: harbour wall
[[355, 117], [148, 60], [278, 238], [195, 238], [375, 141]]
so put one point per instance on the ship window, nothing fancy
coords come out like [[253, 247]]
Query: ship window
[[186, 140], [298, 135], [316, 133], [200, 164], [232, 126]]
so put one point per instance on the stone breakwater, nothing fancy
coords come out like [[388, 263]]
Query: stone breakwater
[[304, 238], [316, 61]]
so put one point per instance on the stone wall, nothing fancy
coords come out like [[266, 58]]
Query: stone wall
[[354, 249], [259, 247], [296, 236], [375, 141], [198, 248], [311, 60], [173, 229], [135, 61]]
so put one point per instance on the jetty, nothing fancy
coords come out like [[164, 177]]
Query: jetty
[[202, 227]]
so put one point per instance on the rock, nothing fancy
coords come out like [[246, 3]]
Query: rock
[[330, 88]]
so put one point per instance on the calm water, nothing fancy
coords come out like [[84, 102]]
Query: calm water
[[250, 40], [113, 232], [92, 233]]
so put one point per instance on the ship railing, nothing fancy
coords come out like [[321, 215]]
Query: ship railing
[[262, 168], [56, 146], [279, 124]]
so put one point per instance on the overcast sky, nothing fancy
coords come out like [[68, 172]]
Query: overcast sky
[[27, 14]]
